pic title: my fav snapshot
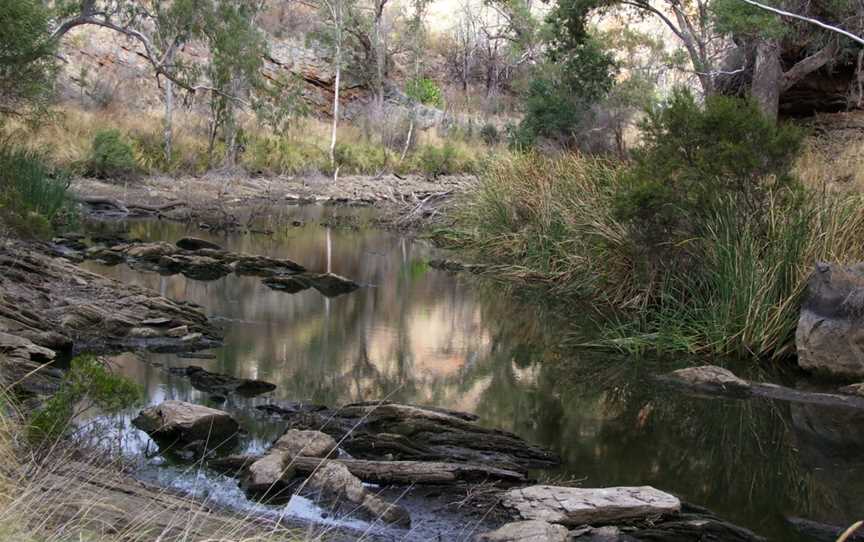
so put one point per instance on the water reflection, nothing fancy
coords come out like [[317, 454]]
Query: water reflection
[[418, 335]]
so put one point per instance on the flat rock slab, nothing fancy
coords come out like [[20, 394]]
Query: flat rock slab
[[713, 379], [206, 381], [573, 506], [527, 531]]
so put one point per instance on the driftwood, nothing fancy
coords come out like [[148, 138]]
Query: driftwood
[[411, 433], [115, 205], [413, 472], [384, 472]]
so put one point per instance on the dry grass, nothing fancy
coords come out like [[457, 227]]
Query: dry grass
[[65, 494], [302, 149]]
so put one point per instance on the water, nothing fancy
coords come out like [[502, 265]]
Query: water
[[419, 335]]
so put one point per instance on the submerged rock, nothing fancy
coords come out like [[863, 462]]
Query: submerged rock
[[265, 267], [527, 531], [289, 284], [330, 284], [830, 333], [216, 383], [712, 379], [187, 423], [194, 243], [575, 506]]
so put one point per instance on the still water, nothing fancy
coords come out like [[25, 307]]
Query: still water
[[418, 335]]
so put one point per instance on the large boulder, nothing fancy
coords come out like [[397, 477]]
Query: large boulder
[[830, 334], [187, 423], [573, 506], [267, 477], [527, 531]]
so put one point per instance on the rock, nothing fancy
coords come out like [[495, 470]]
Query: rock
[[306, 443], [383, 430], [186, 422], [223, 384], [105, 256], [178, 332], [265, 267], [415, 472], [574, 506], [853, 389], [151, 252], [265, 478], [527, 531], [157, 322], [193, 243], [14, 345], [191, 338], [821, 532], [330, 284], [712, 379], [335, 481], [608, 533], [830, 334], [144, 333], [289, 284]]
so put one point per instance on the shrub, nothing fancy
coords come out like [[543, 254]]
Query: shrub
[[425, 91], [33, 196], [489, 134], [87, 385], [111, 156]]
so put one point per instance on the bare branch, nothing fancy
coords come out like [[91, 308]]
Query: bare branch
[[810, 20]]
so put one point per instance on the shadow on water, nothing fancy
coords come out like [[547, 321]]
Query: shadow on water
[[419, 335]]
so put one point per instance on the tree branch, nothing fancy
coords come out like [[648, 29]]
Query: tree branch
[[810, 20], [806, 66]]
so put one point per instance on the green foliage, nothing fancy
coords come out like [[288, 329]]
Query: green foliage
[[425, 91], [33, 196], [739, 19], [435, 161], [27, 62], [87, 385], [111, 156], [695, 156], [561, 94]]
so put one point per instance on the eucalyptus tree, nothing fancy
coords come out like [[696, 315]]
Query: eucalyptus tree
[[27, 63]]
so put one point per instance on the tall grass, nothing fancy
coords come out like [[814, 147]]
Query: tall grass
[[740, 295], [32, 194]]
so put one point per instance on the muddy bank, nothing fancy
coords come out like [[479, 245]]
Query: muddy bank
[[227, 201]]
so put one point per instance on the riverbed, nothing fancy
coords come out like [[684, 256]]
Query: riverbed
[[415, 334]]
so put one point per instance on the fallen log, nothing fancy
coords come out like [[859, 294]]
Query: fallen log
[[115, 205], [412, 472]]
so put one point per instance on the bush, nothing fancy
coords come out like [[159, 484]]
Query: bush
[[695, 158], [33, 196], [87, 385], [425, 91], [111, 156], [489, 134]]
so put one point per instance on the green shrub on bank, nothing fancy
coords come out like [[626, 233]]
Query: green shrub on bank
[[425, 91], [87, 385], [703, 245], [33, 196], [111, 156]]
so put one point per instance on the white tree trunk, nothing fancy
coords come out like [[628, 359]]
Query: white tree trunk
[[336, 85]]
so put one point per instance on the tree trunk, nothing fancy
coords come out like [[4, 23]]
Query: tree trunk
[[168, 128], [767, 77], [336, 84]]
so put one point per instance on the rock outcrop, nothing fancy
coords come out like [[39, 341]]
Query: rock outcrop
[[574, 506], [830, 334], [187, 423]]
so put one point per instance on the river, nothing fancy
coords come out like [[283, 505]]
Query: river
[[418, 335]]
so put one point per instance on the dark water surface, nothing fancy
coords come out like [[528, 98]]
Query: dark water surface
[[415, 334]]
